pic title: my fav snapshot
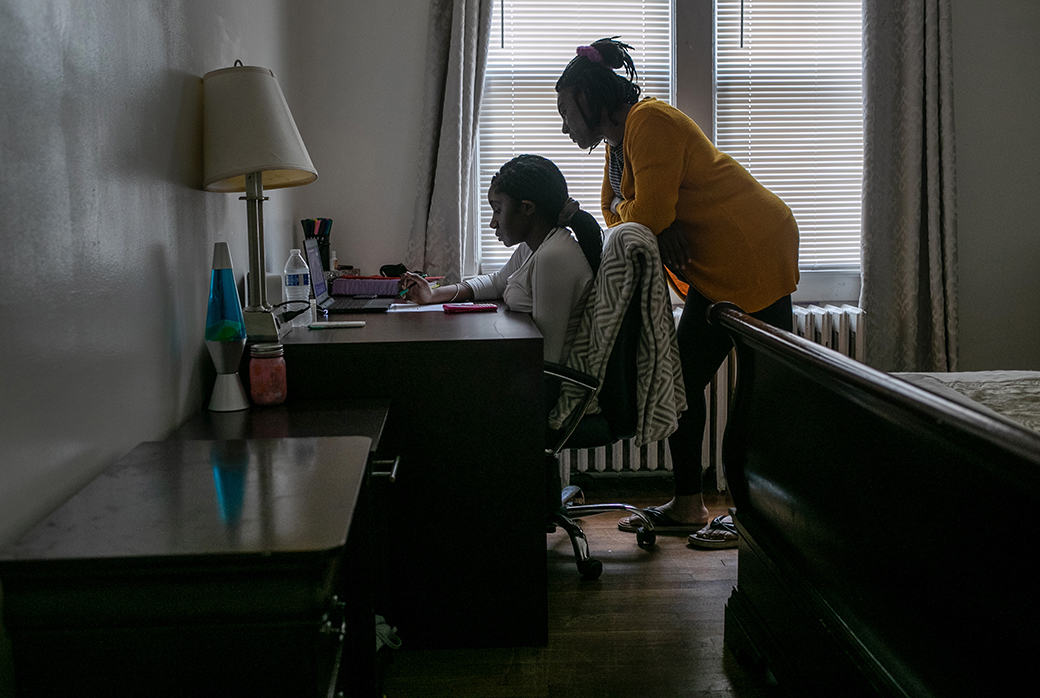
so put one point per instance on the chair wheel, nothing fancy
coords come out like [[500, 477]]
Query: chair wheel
[[590, 569], [645, 539]]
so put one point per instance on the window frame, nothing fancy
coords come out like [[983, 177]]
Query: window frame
[[695, 96], [693, 64], [532, 92]]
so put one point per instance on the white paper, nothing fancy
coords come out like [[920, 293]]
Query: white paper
[[414, 308]]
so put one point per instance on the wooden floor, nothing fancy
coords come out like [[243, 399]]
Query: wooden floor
[[651, 626]]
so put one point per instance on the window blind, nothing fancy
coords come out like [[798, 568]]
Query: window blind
[[531, 43], [788, 106]]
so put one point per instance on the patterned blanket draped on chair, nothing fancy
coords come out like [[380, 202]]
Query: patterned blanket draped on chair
[[631, 264]]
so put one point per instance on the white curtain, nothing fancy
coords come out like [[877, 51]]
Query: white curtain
[[457, 45], [909, 289]]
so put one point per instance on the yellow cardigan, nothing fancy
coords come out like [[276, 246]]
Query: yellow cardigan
[[743, 238]]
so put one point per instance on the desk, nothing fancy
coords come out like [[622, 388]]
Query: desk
[[467, 564], [191, 568]]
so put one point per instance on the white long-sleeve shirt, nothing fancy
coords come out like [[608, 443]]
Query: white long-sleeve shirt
[[551, 283]]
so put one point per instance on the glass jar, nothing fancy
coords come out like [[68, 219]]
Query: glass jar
[[267, 374]]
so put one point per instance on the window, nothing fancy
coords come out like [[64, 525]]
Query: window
[[789, 107], [531, 43], [788, 103]]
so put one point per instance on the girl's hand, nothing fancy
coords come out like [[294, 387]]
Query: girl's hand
[[675, 250], [415, 288]]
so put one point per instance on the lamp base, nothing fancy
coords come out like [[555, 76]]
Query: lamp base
[[228, 394], [263, 326]]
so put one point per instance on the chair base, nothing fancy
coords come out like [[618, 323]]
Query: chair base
[[589, 568]]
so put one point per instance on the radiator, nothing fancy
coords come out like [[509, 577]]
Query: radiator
[[836, 327]]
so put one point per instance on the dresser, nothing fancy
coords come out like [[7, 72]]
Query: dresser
[[200, 567]]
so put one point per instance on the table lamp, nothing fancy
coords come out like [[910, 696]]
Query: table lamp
[[250, 142], [225, 334]]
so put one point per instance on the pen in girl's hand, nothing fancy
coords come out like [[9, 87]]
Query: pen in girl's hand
[[405, 290]]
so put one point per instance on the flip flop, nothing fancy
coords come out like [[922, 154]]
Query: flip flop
[[663, 523], [720, 534]]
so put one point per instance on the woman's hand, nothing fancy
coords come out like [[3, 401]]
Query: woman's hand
[[675, 250], [415, 288]]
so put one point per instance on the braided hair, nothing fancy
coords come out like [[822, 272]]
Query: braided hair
[[538, 180], [591, 73]]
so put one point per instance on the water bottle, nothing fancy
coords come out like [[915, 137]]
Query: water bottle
[[296, 286]]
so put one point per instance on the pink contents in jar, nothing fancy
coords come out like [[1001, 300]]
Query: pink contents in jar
[[267, 374]]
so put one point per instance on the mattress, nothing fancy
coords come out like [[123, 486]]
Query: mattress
[[1013, 395]]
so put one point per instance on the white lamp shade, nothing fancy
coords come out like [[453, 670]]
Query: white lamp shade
[[247, 127]]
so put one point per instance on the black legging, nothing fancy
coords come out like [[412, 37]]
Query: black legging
[[702, 349]]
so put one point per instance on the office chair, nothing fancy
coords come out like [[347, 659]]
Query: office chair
[[615, 421]]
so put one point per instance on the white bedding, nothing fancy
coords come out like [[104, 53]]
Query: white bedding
[[1014, 395]]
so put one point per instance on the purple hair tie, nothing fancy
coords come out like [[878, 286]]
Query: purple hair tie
[[591, 53]]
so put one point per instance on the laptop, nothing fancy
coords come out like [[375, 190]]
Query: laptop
[[338, 304]]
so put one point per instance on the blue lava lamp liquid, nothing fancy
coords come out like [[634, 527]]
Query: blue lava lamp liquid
[[224, 320]]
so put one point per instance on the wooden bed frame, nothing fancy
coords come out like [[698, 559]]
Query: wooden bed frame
[[889, 537]]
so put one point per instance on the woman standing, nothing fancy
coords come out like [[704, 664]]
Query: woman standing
[[550, 273], [722, 235]]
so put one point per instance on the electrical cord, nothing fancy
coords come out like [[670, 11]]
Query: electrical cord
[[290, 314]]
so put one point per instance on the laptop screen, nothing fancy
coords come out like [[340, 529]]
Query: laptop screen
[[317, 270]]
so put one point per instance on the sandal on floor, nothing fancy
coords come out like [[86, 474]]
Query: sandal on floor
[[663, 523], [718, 535]]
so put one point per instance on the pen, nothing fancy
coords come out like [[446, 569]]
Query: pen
[[335, 324], [404, 291]]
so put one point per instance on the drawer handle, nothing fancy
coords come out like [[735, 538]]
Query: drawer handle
[[334, 621], [392, 474]]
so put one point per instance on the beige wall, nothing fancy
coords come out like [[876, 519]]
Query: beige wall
[[106, 237], [997, 112], [362, 71]]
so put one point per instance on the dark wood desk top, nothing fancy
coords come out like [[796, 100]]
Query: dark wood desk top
[[207, 499], [423, 327], [302, 418]]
